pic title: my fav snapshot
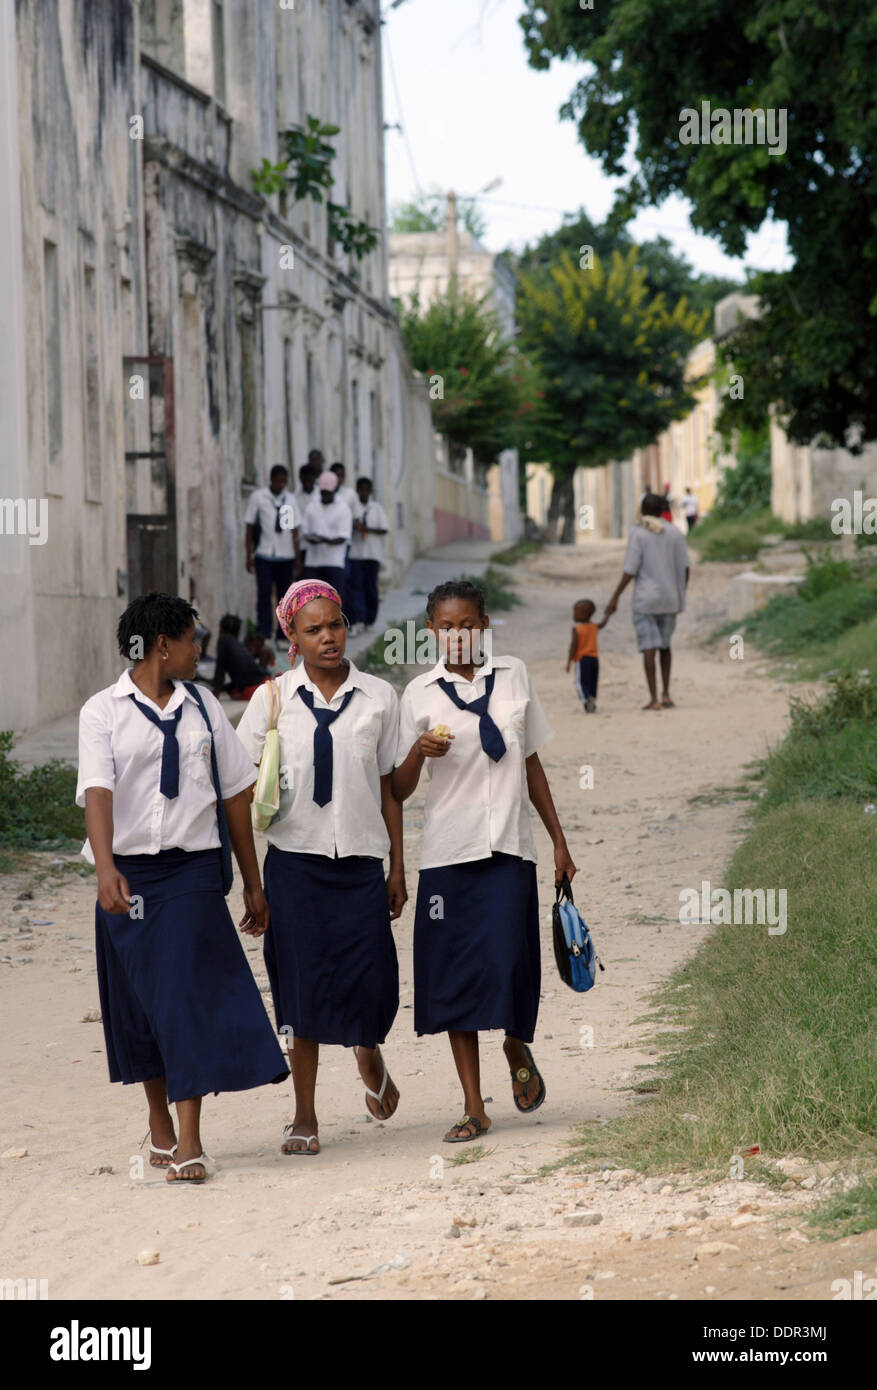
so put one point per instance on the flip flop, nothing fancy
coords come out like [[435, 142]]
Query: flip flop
[[478, 1126], [526, 1075], [667, 703], [306, 1152], [651, 706], [162, 1153], [377, 1095], [202, 1158]]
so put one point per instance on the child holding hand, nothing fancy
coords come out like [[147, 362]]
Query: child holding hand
[[583, 652]]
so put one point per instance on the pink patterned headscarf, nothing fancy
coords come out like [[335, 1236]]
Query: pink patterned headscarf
[[296, 596]]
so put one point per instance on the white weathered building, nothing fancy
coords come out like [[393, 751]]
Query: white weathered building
[[168, 334]]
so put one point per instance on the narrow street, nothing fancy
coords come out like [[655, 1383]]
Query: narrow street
[[660, 816]]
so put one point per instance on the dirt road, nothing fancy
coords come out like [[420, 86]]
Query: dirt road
[[76, 1210]]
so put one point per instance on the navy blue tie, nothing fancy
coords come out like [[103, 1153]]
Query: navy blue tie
[[323, 757], [170, 753], [492, 740]]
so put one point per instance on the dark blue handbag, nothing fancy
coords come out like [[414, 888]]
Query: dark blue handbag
[[577, 961]]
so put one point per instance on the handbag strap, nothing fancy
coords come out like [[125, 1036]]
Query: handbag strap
[[563, 889], [221, 821], [275, 709]]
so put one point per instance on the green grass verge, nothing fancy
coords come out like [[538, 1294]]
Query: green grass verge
[[733, 538], [780, 1045], [37, 807], [847, 1214], [516, 552]]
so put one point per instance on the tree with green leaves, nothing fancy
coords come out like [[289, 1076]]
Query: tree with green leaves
[[813, 350], [612, 358], [428, 212], [484, 394]]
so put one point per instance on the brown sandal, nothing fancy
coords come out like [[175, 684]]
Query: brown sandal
[[468, 1122]]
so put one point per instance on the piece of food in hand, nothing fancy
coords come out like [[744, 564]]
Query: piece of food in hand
[[441, 731]]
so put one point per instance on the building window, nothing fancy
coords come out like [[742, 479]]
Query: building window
[[249, 398], [52, 352], [354, 397], [91, 385], [218, 39]]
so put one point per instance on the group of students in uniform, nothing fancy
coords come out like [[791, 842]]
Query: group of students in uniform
[[166, 783], [325, 530]]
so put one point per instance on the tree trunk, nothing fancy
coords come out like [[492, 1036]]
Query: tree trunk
[[562, 506]]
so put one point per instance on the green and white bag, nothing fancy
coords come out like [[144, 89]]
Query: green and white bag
[[266, 793]]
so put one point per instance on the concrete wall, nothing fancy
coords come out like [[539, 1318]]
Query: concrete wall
[[805, 479], [420, 265]]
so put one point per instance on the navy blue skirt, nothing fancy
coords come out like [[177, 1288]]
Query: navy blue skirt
[[477, 962], [329, 951], [177, 994]]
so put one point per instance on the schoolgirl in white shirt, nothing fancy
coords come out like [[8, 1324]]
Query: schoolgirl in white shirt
[[329, 949], [180, 1008], [476, 925]]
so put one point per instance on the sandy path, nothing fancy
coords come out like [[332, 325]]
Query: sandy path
[[267, 1226]]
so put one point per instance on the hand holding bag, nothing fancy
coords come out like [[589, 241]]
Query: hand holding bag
[[577, 961], [266, 793]]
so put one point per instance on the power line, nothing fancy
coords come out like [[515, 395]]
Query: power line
[[403, 125]]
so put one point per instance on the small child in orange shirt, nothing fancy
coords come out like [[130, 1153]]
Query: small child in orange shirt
[[583, 651]]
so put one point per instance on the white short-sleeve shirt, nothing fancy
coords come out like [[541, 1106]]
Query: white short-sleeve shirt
[[364, 739], [121, 749], [332, 519], [475, 806], [370, 547], [268, 508]]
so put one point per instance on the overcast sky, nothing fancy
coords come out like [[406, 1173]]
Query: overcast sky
[[456, 78]]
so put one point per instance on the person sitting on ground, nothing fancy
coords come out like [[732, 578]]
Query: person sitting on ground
[[583, 651], [263, 652], [657, 559], [237, 672]]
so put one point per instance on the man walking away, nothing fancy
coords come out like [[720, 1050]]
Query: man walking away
[[689, 508], [657, 560], [366, 553], [273, 551]]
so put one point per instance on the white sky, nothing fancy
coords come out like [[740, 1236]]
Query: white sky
[[456, 78]]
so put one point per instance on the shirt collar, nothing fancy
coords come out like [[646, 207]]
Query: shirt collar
[[125, 686], [354, 681], [441, 672]]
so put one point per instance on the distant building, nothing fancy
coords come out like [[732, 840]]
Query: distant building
[[168, 334]]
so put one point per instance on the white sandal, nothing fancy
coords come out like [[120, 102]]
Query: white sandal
[[377, 1095], [202, 1158], [297, 1153], [163, 1153]]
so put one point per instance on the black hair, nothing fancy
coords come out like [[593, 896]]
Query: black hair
[[279, 468], [652, 504], [316, 453], [584, 603], [465, 589], [370, 482], [308, 470], [335, 466], [229, 622], [150, 615]]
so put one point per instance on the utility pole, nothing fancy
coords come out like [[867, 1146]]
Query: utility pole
[[452, 239]]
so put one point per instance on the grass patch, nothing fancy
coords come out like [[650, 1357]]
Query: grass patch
[[516, 552], [472, 1155], [831, 749], [848, 1214], [37, 807], [733, 537], [781, 1049]]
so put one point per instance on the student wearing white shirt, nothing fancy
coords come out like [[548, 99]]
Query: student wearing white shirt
[[476, 926], [276, 558], [305, 492], [327, 529], [329, 949], [346, 495], [181, 1011], [366, 553]]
